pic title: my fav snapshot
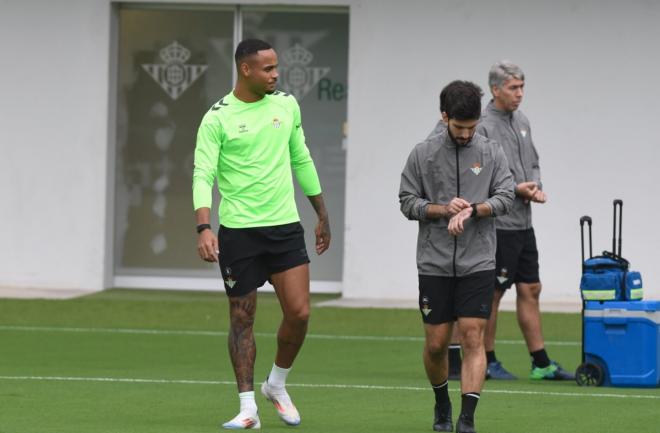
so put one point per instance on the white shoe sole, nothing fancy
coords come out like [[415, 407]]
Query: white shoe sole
[[244, 424]]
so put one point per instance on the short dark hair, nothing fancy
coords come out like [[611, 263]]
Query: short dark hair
[[461, 100], [247, 47]]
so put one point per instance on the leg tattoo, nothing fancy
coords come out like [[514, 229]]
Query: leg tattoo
[[242, 348]]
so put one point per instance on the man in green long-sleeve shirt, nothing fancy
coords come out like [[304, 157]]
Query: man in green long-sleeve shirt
[[250, 141]]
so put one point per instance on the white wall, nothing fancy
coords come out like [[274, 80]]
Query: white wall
[[53, 138], [591, 95]]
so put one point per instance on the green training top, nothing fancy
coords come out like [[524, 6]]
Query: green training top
[[250, 148]]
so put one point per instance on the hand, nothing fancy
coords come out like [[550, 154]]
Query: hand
[[455, 226], [456, 205], [323, 235], [527, 190], [207, 246], [539, 197]]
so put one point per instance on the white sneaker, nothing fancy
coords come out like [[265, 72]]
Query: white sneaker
[[282, 402], [243, 421]]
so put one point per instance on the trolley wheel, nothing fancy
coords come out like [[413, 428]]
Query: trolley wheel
[[588, 374]]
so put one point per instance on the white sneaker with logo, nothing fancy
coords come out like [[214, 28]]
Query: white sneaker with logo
[[243, 421], [282, 402]]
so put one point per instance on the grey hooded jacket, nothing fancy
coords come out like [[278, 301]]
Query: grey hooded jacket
[[437, 171], [513, 133]]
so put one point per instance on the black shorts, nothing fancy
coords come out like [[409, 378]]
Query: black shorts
[[249, 256], [516, 259], [444, 299]]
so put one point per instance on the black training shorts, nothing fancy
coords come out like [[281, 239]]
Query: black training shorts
[[249, 256], [445, 299], [516, 259]]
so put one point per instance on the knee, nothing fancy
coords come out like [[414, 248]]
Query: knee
[[298, 316], [472, 339], [530, 292], [436, 348], [241, 319]]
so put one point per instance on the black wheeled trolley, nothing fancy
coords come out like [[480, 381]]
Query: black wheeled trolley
[[587, 374]]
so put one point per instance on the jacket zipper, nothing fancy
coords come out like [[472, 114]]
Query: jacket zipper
[[458, 194], [522, 163]]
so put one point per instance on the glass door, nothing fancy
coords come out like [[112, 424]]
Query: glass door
[[174, 62], [312, 48]]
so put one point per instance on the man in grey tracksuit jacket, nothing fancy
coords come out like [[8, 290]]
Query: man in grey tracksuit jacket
[[517, 254], [454, 183], [432, 175], [512, 131]]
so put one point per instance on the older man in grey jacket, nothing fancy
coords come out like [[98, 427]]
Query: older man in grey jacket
[[454, 183], [517, 254]]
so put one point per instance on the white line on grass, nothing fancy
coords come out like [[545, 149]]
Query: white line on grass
[[258, 334], [311, 385]]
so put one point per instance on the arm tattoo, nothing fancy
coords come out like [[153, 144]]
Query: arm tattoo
[[319, 205]]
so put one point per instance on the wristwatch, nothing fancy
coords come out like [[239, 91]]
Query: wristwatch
[[474, 210], [202, 227]]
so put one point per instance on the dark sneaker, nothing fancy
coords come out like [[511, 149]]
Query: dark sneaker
[[465, 425], [495, 371], [551, 372], [442, 420]]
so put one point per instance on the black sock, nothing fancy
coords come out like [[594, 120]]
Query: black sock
[[442, 396], [490, 356], [469, 404], [455, 358], [540, 358]]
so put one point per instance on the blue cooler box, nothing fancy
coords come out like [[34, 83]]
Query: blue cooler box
[[624, 339]]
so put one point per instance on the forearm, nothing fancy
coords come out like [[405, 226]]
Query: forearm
[[319, 206], [436, 211], [521, 190], [484, 210], [203, 215]]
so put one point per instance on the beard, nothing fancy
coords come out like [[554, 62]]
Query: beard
[[270, 90], [458, 141]]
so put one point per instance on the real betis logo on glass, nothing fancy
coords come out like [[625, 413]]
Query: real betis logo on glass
[[173, 75], [296, 74]]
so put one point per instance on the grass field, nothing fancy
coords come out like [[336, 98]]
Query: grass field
[[128, 361]]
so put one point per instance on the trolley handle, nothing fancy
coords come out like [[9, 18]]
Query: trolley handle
[[583, 220], [615, 203]]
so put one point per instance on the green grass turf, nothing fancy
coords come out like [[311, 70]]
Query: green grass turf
[[54, 355]]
